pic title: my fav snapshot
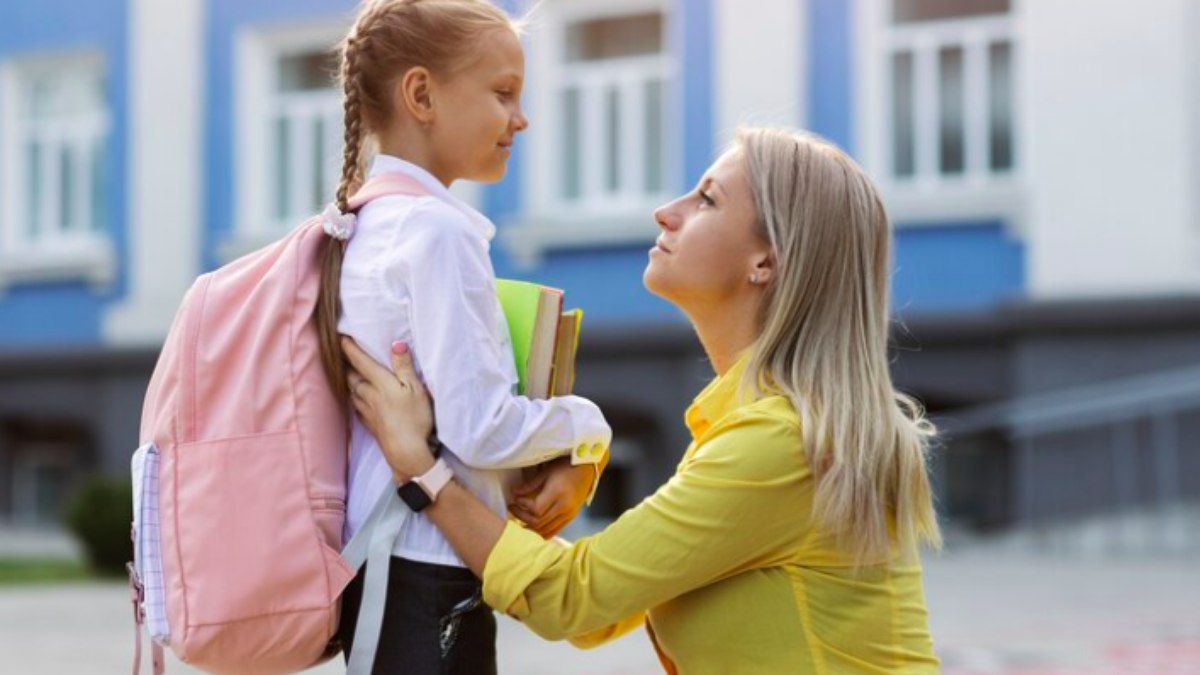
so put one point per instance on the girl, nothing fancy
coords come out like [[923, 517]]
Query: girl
[[436, 85], [786, 542]]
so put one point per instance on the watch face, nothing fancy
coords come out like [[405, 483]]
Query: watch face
[[414, 496]]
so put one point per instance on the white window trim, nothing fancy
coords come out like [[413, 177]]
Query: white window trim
[[545, 225], [977, 195], [256, 52], [89, 256]]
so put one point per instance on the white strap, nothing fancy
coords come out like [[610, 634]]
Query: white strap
[[384, 526]]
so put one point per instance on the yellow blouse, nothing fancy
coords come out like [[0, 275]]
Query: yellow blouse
[[722, 564]]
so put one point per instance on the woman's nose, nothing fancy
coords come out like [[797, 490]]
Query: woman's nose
[[666, 217]]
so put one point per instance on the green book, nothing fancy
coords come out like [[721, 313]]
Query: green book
[[544, 337]]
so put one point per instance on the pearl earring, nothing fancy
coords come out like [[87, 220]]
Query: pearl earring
[[754, 278]]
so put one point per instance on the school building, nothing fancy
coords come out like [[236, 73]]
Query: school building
[[1040, 160]]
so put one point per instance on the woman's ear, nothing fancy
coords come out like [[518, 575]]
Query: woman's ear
[[413, 93], [763, 270]]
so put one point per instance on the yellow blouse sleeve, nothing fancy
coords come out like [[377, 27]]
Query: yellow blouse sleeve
[[740, 502]]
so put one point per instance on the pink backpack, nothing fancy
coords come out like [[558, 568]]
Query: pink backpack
[[239, 486]]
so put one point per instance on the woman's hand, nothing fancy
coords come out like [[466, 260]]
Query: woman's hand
[[553, 495], [394, 407]]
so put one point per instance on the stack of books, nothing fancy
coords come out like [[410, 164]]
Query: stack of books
[[545, 339]]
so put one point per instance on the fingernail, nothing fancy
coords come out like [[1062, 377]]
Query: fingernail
[[400, 348]]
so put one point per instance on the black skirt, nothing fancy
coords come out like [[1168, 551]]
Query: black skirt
[[434, 622]]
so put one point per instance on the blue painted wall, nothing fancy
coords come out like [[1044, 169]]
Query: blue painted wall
[[57, 314], [956, 267], [831, 71]]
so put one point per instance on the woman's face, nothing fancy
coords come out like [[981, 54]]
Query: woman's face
[[708, 246]]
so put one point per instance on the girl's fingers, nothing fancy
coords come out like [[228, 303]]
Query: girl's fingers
[[544, 502], [547, 513], [531, 486]]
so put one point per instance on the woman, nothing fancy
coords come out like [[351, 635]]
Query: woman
[[786, 541]]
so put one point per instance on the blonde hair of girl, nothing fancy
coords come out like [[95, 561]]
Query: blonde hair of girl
[[824, 341]]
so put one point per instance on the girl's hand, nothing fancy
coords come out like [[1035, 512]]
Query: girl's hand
[[394, 407], [553, 496]]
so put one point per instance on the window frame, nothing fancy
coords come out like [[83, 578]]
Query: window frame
[[257, 53], [25, 486], [87, 254], [549, 222], [929, 197]]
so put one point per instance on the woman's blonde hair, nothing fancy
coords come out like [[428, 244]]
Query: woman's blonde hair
[[387, 39], [824, 343]]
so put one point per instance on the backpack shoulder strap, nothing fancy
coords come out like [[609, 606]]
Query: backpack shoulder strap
[[384, 185]]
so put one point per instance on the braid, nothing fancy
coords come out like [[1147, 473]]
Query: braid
[[352, 110]]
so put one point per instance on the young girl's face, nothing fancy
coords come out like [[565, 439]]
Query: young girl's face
[[479, 111]]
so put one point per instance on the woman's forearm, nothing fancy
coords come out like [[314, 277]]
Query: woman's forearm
[[468, 524]]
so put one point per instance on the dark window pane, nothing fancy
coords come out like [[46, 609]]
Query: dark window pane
[[615, 38], [1000, 121], [50, 487], [312, 70], [655, 137], [613, 130], [66, 190], [320, 161], [904, 11], [283, 168], [571, 188], [97, 179], [34, 193], [904, 161], [951, 128]]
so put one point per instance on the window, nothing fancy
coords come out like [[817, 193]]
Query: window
[[288, 134], [603, 147], [306, 136], [55, 127], [610, 94], [42, 478], [950, 75]]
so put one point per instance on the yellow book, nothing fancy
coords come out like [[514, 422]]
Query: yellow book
[[565, 350]]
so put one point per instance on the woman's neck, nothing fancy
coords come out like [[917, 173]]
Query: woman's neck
[[725, 331]]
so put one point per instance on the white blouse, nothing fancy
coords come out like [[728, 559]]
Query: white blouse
[[417, 270]]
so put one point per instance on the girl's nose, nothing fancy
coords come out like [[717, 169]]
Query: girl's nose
[[520, 122]]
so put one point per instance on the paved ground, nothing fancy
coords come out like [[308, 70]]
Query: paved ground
[[1018, 607]]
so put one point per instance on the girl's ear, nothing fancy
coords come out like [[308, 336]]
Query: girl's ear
[[413, 93]]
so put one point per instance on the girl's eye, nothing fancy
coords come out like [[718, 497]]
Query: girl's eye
[[705, 198], [504, 94]]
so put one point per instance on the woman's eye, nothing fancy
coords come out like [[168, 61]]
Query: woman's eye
[[705, 198], [504, 94]]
